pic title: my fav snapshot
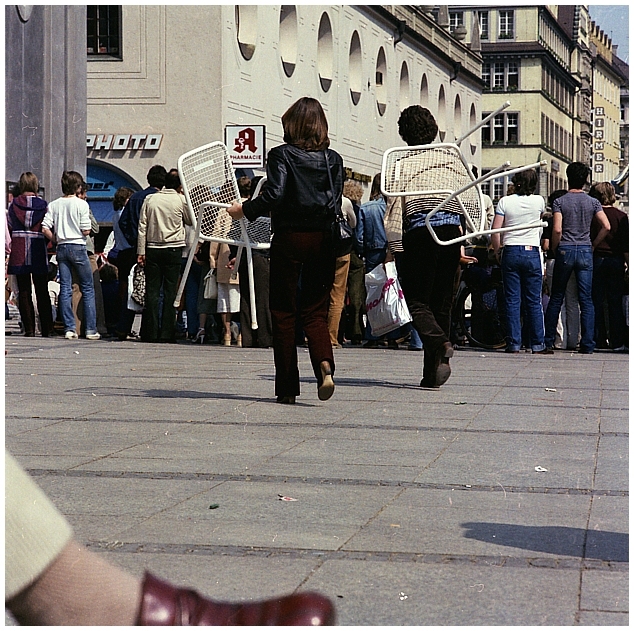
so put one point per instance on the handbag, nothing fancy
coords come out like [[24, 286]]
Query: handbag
[[385, 303], [210, 290], [138, 285], [341, 230], [132, 304]]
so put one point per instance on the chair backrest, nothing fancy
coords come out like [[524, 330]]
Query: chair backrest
[[210, 186], [432, 173]]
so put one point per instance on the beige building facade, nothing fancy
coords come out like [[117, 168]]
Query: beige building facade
[[527, 59], [606, 95], [178, 75]]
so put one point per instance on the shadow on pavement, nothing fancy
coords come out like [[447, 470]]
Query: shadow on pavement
[[560, 540]]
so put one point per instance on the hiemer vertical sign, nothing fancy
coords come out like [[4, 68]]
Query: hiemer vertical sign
[[246, 145]]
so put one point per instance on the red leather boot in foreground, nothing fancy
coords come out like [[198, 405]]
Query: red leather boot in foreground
[[165, 605]]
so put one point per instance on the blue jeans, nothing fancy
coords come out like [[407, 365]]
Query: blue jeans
[[74, 256], [522, 281], [577, 259]]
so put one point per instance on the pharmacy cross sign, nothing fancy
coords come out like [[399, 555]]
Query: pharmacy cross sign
[[246, 145]]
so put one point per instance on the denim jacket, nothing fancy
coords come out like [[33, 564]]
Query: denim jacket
[[370, 232]]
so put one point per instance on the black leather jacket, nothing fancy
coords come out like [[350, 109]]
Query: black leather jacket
[[297, 190]]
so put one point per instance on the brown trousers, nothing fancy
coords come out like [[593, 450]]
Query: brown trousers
[[304, 260]]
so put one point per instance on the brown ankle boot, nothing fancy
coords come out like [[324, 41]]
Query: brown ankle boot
[[165, 605]]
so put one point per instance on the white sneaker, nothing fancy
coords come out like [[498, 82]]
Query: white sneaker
[[93, 336], [70, 335]]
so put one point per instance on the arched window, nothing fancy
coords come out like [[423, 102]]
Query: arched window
[[424, 91], [380, 82], [288, 39], [457, 117], [404, 86], [325, 53], [354, 65], [442, 114], [473, 120], [246, 27]]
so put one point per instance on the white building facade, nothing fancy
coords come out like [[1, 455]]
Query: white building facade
[[176, 76]]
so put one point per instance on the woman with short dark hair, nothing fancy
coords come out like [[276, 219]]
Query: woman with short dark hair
[[299, 197], [521, 262], [28, 259]]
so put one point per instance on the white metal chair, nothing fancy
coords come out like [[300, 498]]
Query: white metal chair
[[440, 177], [210, 186]]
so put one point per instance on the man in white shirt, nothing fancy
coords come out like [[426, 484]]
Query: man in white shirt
[[67, 223]]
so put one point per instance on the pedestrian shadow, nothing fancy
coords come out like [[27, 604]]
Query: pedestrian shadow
[[356, 383], [559, 540], [219, 396]]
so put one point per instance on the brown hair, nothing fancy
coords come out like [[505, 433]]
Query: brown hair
[[71, 182], [121, 197], [604, 192], [305, 125], [28, 183], [353, 190], [525, 182], [375, 191]]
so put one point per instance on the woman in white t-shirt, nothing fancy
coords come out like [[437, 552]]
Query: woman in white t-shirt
[[521, 262]]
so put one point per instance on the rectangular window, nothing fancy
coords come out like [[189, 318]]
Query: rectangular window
[[498, 75], [456, 18], [512, 129], [512, 75], [498, 188], [483, 19], [104, 31], [503, 130], [486, 76], [498, 129], [506, 23], [486, 130], [486, 186]]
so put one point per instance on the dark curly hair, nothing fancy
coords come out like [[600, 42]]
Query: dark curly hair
[[417, 125]]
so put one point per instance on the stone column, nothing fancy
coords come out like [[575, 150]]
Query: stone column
[[45, 92]]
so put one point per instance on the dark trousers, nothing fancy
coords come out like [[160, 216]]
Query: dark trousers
[[162, 268], [25, 303], [311, 254], [125, 261], [356, 295], [427, 276], [608, 284], [261, 337]]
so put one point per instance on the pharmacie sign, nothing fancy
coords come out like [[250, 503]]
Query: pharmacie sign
[[246, 145]]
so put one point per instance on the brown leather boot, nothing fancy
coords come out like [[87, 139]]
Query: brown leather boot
[[443, 370], [163, 604]]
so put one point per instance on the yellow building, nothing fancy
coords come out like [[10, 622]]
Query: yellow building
[[607, 80], [527, 59]]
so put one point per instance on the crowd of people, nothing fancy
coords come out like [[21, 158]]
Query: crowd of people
[[563, 287]]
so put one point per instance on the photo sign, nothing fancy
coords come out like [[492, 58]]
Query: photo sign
[[246, 145]]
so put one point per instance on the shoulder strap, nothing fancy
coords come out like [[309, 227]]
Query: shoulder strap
[[338, 211]]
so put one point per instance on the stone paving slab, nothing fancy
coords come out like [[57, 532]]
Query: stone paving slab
[[255, 514], [414, 506], [470, 522], [446, 595], [510, 460], [605, 591]]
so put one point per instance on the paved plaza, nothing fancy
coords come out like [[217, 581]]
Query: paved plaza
[[501, 499]]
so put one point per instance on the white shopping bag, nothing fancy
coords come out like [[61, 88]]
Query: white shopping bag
[[385, 304]]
